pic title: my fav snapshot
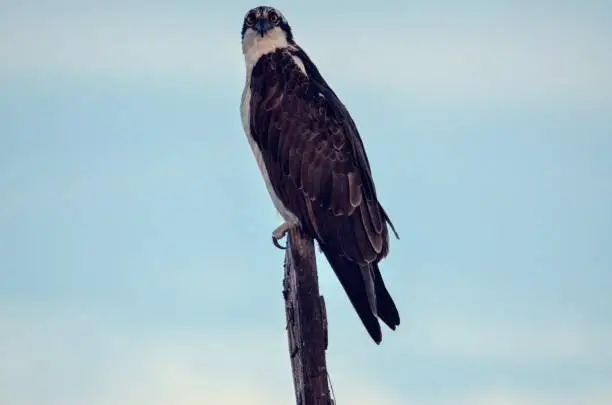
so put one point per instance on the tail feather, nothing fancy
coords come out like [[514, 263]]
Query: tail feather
[[387, 311], [351, 278], [367, 276]]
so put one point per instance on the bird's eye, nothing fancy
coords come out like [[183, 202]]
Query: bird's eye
[[273, 18], [250, 20]]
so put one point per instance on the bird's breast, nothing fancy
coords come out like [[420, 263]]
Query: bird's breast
[[245, 104], [245, 111]]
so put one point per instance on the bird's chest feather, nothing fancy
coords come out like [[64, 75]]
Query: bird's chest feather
[[295, 64], [245, 115]]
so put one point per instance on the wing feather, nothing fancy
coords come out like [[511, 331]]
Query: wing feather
[[313, 151], [318, 168], [354, 185]]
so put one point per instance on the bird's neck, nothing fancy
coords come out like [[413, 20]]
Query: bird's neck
[[254, 46]]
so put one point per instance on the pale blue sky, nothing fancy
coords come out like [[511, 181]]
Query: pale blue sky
[[135, 258]]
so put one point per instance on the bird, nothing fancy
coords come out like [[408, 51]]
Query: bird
[[314, 163]]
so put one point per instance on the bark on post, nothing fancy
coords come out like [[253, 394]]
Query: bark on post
[[306, 321]]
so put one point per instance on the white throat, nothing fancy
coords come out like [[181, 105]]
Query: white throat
[[254, 46]]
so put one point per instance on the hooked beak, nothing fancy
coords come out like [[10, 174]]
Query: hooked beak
[[263, 26]]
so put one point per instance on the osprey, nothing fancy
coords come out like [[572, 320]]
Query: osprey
[[314, 164]]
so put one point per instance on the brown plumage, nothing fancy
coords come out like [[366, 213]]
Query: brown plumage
[[318, 168]]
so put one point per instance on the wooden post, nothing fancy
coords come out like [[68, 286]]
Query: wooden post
[[306, 321]]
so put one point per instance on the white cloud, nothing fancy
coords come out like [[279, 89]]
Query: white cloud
[[86, 362], [74, 358], [521, 343], [518, 397], [467, 58]]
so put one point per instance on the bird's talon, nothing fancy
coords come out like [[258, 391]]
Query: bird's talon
[[278, 245], [279, 233]]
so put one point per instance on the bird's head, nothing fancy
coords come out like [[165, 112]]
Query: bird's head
[[265, 27]]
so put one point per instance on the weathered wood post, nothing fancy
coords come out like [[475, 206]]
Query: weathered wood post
[[306, 321]]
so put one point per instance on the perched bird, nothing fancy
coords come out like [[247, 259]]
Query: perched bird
[[314, 164]]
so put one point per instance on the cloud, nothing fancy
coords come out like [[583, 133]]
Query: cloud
[[71, 357], [473, 58], [517, 343], [518, 397]]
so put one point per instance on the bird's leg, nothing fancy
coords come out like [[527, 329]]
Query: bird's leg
[[279, 233]]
